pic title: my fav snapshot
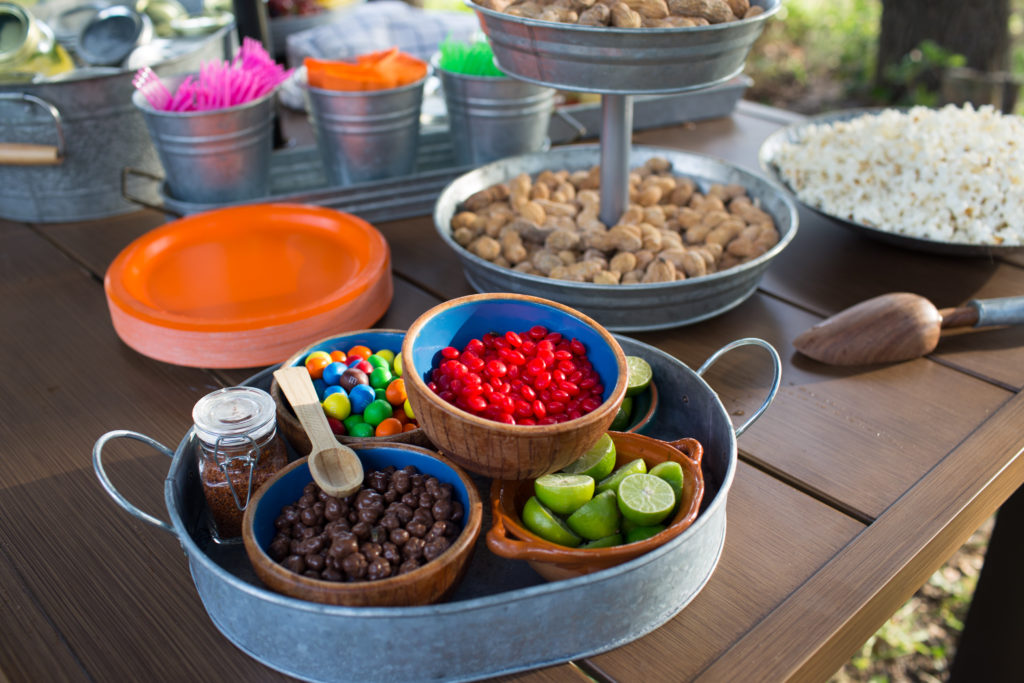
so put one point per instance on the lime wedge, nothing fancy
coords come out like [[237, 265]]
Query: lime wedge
[[545, 524], [612, 481], [624, 416], [606, 542], [640, 533], [645, 499], [638, 375], [598, 518], [563, 493], [672, 472], [598, 462]]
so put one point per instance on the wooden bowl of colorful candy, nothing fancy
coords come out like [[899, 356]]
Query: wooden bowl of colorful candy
[[358, 377], [511, 386]]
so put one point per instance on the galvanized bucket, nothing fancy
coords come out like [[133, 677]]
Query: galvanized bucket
[[216, 156], [493, 117], [498, 598], [63, 144], [367, 134]]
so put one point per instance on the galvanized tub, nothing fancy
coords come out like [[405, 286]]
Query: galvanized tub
[[93, 131], [625, 308], [620, 61], [498, 597]]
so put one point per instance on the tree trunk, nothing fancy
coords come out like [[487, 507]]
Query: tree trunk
[[976, 29]]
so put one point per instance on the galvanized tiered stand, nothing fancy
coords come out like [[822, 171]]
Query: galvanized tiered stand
[[617, 64]]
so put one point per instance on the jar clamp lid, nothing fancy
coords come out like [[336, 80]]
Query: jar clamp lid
[[232, 426], [235, 416]]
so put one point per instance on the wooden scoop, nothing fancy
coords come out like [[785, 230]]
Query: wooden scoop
[[897, 327], [336, 468]]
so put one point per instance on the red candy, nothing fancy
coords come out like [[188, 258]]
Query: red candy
[[527, 378]]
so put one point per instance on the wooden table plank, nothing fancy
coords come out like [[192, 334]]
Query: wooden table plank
[[776, 540], [33, 649], [885, 565], [66, 366]]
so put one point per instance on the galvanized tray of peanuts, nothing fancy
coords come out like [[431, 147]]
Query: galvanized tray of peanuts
[[694, 241]]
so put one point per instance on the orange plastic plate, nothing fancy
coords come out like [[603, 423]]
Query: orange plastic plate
[[245, 286]]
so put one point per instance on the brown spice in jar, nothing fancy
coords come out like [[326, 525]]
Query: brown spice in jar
[[227, 517]]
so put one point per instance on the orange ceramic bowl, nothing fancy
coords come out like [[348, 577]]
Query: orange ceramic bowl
[[427, 584], [508, 538], [245, 286]]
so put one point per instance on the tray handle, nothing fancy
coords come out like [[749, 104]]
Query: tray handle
[[28, 154], [97, 465], [776, 373]]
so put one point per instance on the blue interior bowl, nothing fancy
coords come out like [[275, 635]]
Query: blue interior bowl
[[456, 325], [288, 488]]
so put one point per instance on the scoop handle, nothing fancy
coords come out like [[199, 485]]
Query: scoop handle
[[985, 312], [23, 154], [298, 388], [1006, 311]]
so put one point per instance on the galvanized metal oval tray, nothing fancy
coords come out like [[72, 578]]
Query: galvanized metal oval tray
[[625, 308], [603, 59], [795, 133], [499, 598]]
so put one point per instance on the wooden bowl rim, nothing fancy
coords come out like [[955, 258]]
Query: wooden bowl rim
[[503, 491], [307, 586], [412, 375]]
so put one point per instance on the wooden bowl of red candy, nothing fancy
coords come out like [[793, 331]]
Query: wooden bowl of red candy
[[512, 386]]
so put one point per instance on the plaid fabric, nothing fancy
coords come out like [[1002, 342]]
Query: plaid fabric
[[379, 26]]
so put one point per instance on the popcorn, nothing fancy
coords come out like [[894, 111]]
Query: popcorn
[[951, 174]]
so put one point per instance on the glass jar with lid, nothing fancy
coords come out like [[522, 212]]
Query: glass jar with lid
[[28, 49], [237, 450]]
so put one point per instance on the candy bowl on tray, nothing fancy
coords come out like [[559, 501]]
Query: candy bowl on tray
[[509, 537], [434, 578], [530, 445], [388, 343]]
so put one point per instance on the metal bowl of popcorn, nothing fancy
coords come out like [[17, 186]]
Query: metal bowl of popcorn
[[667, 286]]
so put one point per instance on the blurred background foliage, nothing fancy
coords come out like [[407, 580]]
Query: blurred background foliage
[[820, 55]]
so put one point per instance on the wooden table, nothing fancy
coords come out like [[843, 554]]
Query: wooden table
[[851, 490]]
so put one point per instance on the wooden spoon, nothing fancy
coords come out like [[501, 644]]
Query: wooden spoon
[[336, 468], [897, 327]]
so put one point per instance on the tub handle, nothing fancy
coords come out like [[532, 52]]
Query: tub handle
[[776, 373], [97, 464], [27, 154]]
